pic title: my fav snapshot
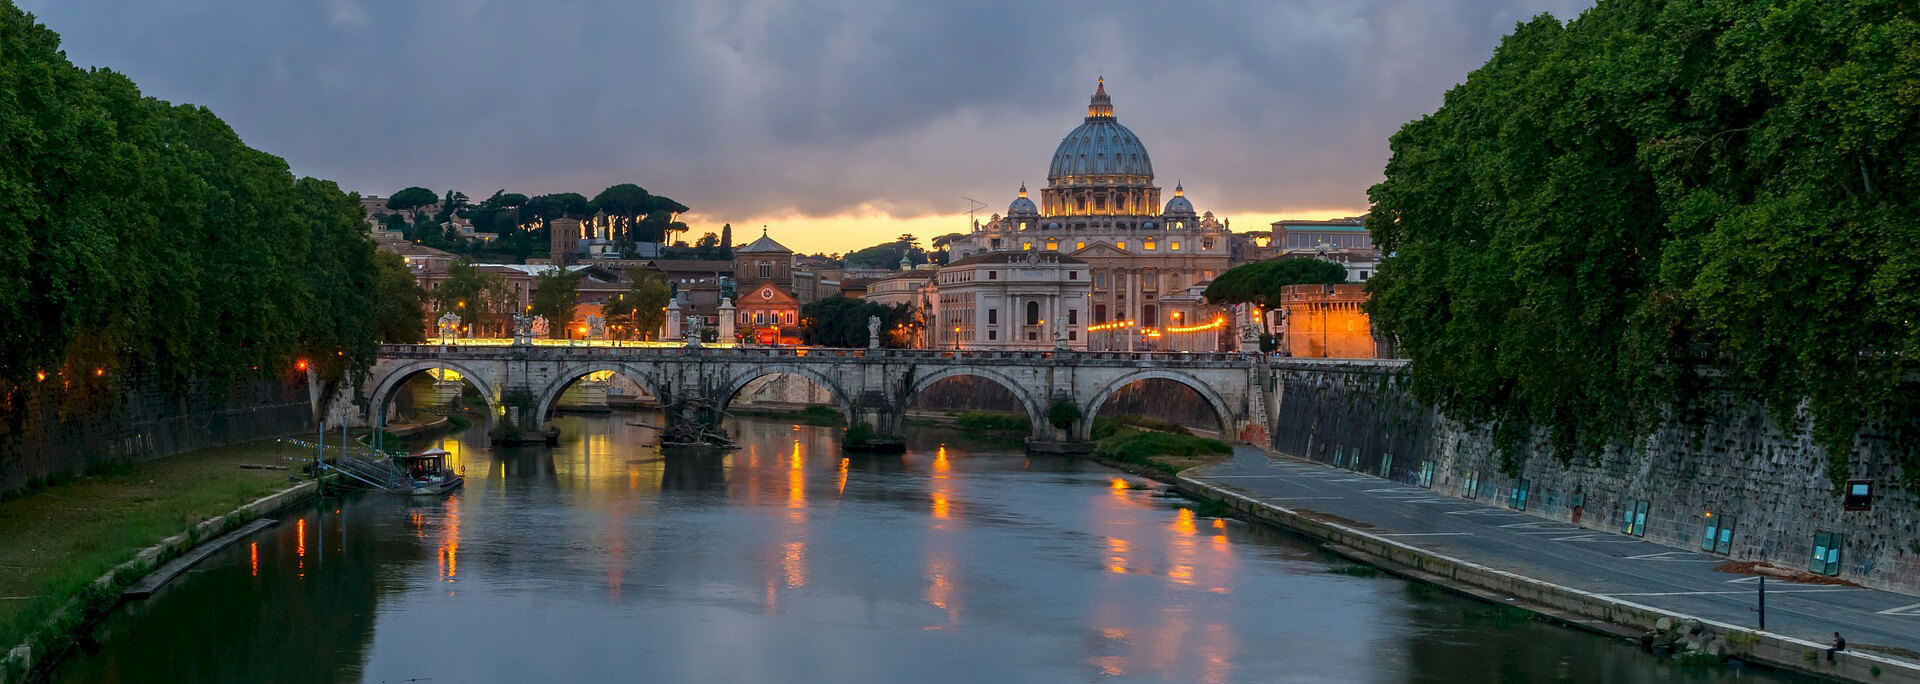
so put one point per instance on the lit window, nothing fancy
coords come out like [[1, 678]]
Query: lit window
[[1052, 246], [1149, 245], [1079, 245], [1028, 246], [1175, 247], [1121, 244]]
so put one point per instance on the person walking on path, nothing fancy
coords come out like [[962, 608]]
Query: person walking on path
[[1839, 644]]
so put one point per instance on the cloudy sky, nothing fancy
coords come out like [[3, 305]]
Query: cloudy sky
[[838, 123]]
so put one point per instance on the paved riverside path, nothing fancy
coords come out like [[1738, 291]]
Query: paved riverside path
[[1611, 565]]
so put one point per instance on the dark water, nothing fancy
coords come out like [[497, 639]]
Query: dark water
[[600, 560]]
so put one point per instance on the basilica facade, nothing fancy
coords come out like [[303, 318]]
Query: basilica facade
[[1100, 206]]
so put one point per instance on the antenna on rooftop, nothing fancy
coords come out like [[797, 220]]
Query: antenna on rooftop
[[973, 206]]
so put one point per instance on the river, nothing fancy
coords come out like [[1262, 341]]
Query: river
[[786, 561]]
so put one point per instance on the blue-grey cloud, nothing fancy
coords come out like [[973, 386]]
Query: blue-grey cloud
[[745, 107]]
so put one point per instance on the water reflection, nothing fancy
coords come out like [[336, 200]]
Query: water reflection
[[788, 561]]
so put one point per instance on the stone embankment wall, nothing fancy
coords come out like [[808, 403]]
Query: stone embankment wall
[[44, 433], [1737, 465]]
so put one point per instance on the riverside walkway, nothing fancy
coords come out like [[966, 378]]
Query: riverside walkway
[[1610, 566]]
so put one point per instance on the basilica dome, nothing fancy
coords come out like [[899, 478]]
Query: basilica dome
[[1101, 147]]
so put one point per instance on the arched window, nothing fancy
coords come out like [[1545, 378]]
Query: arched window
[[766, 269], [1033, 313]]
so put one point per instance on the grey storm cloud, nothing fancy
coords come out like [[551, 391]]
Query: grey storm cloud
[[749, 107]]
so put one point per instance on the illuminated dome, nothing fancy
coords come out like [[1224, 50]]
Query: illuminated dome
[[1021, 205], [1101, 147], [1179, 204]]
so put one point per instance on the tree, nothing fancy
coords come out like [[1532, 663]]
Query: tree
[[411, 199], [1261, 283], [140, 235], [842, 322], [555, 292], [625, 199], [641, 309], [397, 312], [1606, 205], [726, 241], [477, 297]]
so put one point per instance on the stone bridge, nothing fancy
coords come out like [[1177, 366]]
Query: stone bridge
[[522, 382]]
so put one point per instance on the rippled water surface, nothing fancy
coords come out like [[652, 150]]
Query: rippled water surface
[[785, 561]]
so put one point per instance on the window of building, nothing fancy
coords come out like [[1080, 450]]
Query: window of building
[[1073, 275], [1175, 247], [993, 275], [1121, 244], [1206, 274], [1052, 246], [1099, 313], [1206, 244], [1032, 336], [1149, 245], [994, 243], [1033, 313], [1363, 275], [993, 334], [1100, 202], [1080, 245], [993, 316], [766, 269], [1073, 316], [1073, 335], [1026, 246]]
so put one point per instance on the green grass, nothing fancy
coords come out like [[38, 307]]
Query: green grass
[[1108, 426], [1500, 613], [58, 539], [1356, 571], [994, 421], [813, 414], [1142, 448]]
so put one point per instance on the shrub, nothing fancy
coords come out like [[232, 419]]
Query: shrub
[[1063, 414], [994, 421]]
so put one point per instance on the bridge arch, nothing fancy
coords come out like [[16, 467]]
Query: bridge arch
[[1035, 408], [399, 373], [1213, 399], [572, 373], [739, 380]]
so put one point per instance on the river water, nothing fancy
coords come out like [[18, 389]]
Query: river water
[[785, 561]]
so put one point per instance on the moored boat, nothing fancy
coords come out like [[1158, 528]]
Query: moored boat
[[426, 473]]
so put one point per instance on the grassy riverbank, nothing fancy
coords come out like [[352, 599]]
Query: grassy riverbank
[[55, 540], [1165, 447], [812, 414]]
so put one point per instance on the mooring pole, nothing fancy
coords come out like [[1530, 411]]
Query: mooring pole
[[1763, 603]]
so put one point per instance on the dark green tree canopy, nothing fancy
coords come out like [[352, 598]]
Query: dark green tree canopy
[[1659, 184], [842, 322], [136, 235], [1261, 283], [411, 198]]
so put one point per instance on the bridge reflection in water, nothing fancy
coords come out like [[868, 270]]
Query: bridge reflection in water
[[788, 561]]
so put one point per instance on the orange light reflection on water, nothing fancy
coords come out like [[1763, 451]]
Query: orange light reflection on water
[[253, 557]]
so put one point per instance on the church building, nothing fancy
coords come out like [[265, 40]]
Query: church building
[[1101, 207]]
